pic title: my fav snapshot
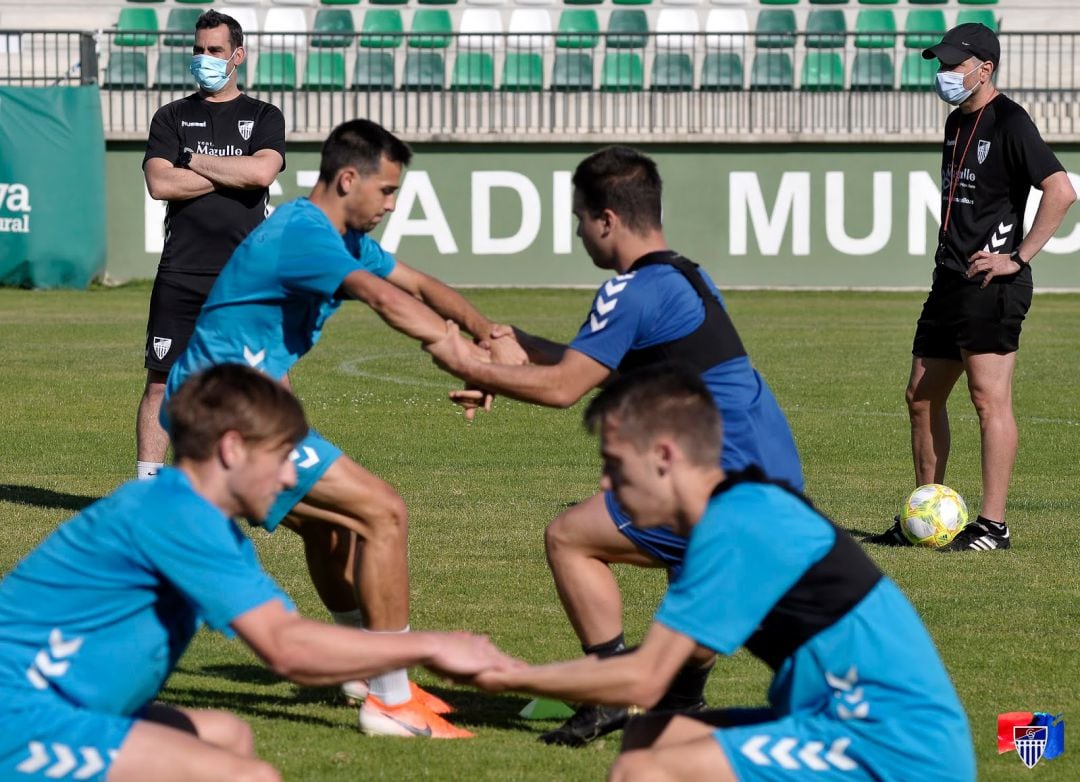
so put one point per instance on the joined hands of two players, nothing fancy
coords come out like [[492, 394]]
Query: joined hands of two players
[[455, 354]]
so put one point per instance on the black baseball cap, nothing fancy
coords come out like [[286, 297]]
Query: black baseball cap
[[963, 41]]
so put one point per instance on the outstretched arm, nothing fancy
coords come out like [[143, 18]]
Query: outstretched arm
[[397, 308], [442, 298]]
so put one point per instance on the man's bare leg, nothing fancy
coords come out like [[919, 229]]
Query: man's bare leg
[[928, 389], [151, 441], [684, 750], [990, 383]]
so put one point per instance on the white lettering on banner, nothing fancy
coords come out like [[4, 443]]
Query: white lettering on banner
[[14, 197], [881, 227], [923, 196], [15, 225], [483, 182], [1058, 245], [416, 186], [562, 207], [792, 202]]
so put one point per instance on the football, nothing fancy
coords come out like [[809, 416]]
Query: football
[[932, 515]]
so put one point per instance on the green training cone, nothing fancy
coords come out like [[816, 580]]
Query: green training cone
[[545, 709]]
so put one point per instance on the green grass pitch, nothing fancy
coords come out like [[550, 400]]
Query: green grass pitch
[[479, 496]]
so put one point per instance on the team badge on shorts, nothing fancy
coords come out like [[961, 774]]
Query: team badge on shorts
[[1033, 735], [983, 151], [161, 346], [245, 126]]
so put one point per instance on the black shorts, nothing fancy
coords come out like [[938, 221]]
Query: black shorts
[[959, 315], [175, 304]]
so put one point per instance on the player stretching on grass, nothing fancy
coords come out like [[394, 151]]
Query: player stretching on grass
[[94, 620], [763, 569], [267, 309], [658, 307]]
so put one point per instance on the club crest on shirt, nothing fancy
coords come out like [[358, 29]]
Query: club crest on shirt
[[245, 126], [161, 346], [983, 150]]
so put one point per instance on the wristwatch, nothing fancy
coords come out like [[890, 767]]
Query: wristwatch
[[1014, 256], [185, 158]]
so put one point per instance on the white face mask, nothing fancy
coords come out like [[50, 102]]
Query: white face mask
[[950, 86]]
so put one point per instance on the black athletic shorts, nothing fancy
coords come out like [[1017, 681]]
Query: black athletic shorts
[[958, 314], [175, 303]]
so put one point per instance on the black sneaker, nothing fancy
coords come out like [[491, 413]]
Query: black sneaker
[[893, 536], [977, 536], [588, 724]]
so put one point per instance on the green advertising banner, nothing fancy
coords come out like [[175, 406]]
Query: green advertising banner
[[768, 215], [52, 186]]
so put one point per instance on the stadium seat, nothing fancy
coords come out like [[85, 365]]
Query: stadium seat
[[828, 2], [582, 2], [928, 2], [629, 2], [293, 2], [388, 2], [775, 28], [872, 71], [382, 28], [473, 72], [978, 2], [535, 2], [130, 25], [334, 28], [722, 72], [572, 72], [146, 1], [981, 15], [173, 72], [878, 2], [875, 28], [822, 72], [126, 71], [627, 29], [779, 2], [373, 71], [281, 22], [923, 27], [431, 29], [424, 71], [340, 2], [825, 29], [622, 72], [275, 71], [682, 2], [529, 28], [181, 23], [249, 23], [437, 2], [917, 74], [480, 28], [195, 2], [672, 73], [484, 2], [241, 2], [324, 71], [772, 71], [677, 29], [577, 29], [523, 72], [726, 28]]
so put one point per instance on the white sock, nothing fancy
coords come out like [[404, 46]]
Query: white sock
[[147, 470], [392, 687]]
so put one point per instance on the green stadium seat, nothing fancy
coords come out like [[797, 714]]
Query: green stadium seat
[[578, 28], [978, 2], [437, 2], [878, 2], [431, 29], [828, 2], [382, 28], [572, 72], [779, 2], [981, 15], [424, 72], [917, 74], [672, 73], [822, 72], [275, 71], [825, 28], [473, 72], [373, 71], [632, 2], [195, 2], [173, 72], [340, 2], [136, 19], [583, 2], [126, 71], [928, 2], [875, 28], [334, 28], [775, 28], [146, 1], [181, 23], [872, 71], [523, 72], [324, 71], [722, 72], [772, 71], [627, 29], [923, 27], [388, 2], [622, 72]]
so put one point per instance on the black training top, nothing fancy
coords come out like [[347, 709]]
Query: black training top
[[201, 233], [998, 158]]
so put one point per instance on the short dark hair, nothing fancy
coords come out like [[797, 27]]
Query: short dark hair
[[211, 19], [625, 181], [360, 143], [661, 399], [232, 397]]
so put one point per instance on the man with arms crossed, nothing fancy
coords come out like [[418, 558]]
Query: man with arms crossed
[[763, 569], [94, 620], [213, 156]]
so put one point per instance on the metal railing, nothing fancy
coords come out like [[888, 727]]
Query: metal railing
[[502, 86]]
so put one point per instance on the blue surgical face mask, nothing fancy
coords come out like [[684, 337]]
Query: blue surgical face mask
[[950, 86], [211, 72]]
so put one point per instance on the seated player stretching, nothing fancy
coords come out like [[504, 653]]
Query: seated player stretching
[[94, 620], [764, 570]]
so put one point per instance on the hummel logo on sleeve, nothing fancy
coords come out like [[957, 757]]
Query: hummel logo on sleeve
[[603, 307]]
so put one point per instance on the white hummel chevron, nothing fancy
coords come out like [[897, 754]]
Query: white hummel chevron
[[92, 763], [253, 359], [809, 755], [781, 753], [612, 288], [39, 758], [855, 696], [751, 749], [45, 667], [595, 323], [858, 713], [36, 679], [604, 307], [845, 683], [836, 755], [65, 762], [311, 458], [61, 648], [48, 666]]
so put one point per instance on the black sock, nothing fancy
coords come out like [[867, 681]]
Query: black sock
[[993, 526], [607, 648], [687, 688]]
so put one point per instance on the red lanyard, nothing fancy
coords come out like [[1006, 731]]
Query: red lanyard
[[952, 164]]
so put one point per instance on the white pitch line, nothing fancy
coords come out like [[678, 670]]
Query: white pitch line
[[351, 367]]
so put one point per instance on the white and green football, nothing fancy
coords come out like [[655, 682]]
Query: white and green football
[[932, 515]]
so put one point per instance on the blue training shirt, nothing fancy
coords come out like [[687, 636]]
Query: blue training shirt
[[101, 611], [268, 307], [655, 305]]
